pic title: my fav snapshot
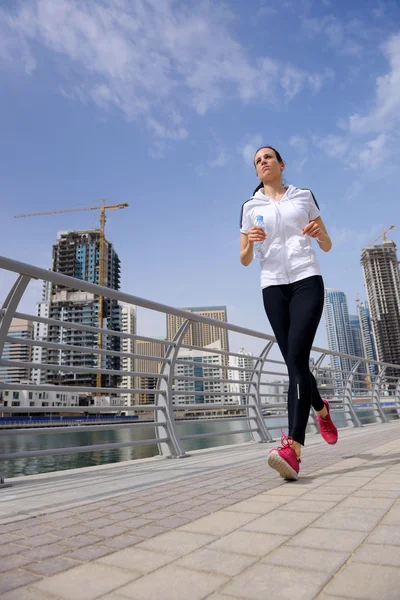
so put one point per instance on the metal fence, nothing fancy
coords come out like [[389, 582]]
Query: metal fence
[[188, 383]]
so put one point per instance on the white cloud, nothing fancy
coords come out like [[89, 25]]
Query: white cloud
[[386, 109], [371, 140], [298, 143], [335, 32], [147, 59], [249, 147]]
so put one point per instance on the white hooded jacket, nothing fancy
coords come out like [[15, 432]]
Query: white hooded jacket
[[288, 254]]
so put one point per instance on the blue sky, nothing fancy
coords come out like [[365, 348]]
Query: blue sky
[[161, 104]]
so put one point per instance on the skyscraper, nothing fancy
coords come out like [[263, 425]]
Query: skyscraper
[[355, 327], [19, 328], [235, 372], [367, 335], [339, 334], [77, 253], [382, 281], [128, 325], [146, 365], [201, 334]]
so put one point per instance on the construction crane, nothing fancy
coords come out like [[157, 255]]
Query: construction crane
[[382, 235], [102, 210]]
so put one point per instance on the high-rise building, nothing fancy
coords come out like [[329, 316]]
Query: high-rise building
[[146, 365], [77, 253], [201, 334], [40, 334], [207, 391], [128, 325], [355, 327], [339, 334], [240, 370], [382, 281], [367, 335], [19, 328]]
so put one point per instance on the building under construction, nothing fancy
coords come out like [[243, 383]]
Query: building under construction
[[77, 254], [382, 281]]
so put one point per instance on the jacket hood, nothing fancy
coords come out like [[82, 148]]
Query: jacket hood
[[261, 196]]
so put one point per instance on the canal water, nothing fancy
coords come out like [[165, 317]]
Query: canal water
[[35, 441]]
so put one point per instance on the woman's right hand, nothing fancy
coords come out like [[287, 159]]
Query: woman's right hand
[[256, 234]]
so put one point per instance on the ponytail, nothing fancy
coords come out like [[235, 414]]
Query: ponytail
[[259, 187]]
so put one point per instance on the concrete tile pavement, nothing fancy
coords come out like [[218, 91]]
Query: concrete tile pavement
[[333, 534]]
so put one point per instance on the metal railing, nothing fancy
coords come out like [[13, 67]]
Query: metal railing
[[186, 384]]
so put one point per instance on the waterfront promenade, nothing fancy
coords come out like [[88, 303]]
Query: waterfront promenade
[[218, 524]]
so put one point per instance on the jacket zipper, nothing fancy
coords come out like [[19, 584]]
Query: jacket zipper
[[284, 241]]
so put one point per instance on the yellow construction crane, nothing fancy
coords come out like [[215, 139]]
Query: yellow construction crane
[[102, 210], [383, 235]]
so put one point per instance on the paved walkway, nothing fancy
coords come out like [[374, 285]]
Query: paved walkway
[[218, 525]]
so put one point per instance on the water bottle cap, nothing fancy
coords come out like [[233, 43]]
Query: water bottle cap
[[259, 218]]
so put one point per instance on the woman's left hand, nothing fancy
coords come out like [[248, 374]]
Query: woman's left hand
[[314, 230]]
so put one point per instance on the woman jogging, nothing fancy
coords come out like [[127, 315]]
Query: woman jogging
[[293, 293]]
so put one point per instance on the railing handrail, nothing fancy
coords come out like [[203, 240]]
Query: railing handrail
[[71, 282]]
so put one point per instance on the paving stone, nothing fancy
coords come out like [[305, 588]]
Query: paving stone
[[14, 561], [148, 531], [86, 582], [325, 561], [81, 540], [263, 581], [122, 541], [340, 540], [9, 549], [254, 507], [219, 523], [282, 522], [15, 579], [173, 522], [363, 502], [350, 519], [51, 566], [36, 530], [315, 506], [40, 540], [214, 561], [177, 543], [109, 531], [248, 542], [44, 552], [319, 496], [272, 499], [392, 517], [366, 582], [385, 534], [173, 583], [88, 553], [142, 561], [287, 489], [27, 593], [378, 493], [378, 555], [6, 538], [75, 530], [135, 523]]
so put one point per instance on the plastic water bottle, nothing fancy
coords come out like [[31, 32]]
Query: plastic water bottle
[[258, 248]]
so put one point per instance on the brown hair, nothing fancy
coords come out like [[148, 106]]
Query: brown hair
[[278, 158]]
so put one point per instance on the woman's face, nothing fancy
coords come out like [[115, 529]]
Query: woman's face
[[268, 167]]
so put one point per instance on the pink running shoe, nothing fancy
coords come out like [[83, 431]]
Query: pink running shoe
[[327, 427], [284, 459]]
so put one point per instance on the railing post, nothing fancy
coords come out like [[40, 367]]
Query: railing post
[[348, 398], [173, 448], [9, 307], [315, 368], [262, 433], [376, 395], [397, 397]]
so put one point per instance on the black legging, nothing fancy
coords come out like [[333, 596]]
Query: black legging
[[294, 311]]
